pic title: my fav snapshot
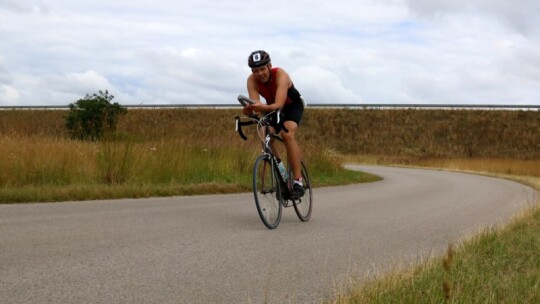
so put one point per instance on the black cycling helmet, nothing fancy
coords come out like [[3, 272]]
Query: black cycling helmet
[[258, 59]]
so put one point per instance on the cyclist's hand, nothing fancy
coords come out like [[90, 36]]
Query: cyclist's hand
[[258, 107]]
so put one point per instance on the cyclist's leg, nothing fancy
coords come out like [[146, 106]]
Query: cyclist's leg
[[292, 117], [293, 150]]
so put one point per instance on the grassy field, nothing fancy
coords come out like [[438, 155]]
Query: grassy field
[[195, 151], [406, 134], [182, 151], [154, 153], [54, 169]]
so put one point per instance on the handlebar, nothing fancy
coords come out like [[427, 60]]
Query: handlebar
[[239, 125], [245, 101], [254, 119]]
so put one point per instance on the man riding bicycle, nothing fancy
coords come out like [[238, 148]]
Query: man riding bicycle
[[277, 88]]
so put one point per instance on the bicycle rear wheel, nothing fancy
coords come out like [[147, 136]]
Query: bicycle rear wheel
[[304, 205], [267, 191]]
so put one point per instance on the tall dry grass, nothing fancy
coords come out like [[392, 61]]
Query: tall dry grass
[[411, 134], [414, 134], [162, 152], [36, 160], [58, 161], [28, 123], [514, 167], [488, 165], [166, 148]]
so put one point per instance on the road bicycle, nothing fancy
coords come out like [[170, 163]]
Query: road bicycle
[[272, 190]]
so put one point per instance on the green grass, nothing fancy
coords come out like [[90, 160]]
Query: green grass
[[210, 183], [496, 266], [56, 169], [100, 191]]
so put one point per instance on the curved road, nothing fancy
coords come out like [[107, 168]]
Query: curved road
[[214, 249]]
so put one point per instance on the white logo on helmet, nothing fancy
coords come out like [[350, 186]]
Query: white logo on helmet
[[256, 57]]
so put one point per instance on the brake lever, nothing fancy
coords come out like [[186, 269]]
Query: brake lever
[[278, 114], [239, 128]]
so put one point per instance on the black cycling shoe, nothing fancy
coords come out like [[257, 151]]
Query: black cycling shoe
[[297, 191]]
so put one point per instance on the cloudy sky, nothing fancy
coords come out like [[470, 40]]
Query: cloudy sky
[[340, 51]]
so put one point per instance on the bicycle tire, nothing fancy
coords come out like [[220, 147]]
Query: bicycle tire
[[267, 191], [304, 205]]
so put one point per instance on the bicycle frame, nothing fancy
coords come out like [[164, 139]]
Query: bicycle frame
[[264, 132]]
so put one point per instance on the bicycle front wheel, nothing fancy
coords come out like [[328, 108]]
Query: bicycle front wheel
[[304, 205], [267, 191]]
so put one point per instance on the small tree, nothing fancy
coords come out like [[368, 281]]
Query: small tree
[[94, 115]]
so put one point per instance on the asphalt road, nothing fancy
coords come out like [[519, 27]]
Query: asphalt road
[[214, 249]]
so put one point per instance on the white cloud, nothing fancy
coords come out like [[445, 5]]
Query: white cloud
[[519, 14], [391, 51], [310, 80], [78, 82], [55, 89], [24, 6], [8, 94], [4, 73]]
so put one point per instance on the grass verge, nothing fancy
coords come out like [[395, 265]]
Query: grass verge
[[495, 266], [124, 170], [49, 193]]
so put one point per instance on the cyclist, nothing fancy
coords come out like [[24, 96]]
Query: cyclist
[[277, 88]]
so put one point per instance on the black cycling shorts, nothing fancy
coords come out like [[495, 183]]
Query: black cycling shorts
[[293, 112]]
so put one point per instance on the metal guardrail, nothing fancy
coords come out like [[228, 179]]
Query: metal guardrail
[[314, 105]]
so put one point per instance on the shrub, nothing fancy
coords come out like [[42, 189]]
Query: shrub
[[93, 116]]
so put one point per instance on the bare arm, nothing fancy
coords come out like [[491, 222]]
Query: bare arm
[[252, 88], [283, 82], [253, 93]]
